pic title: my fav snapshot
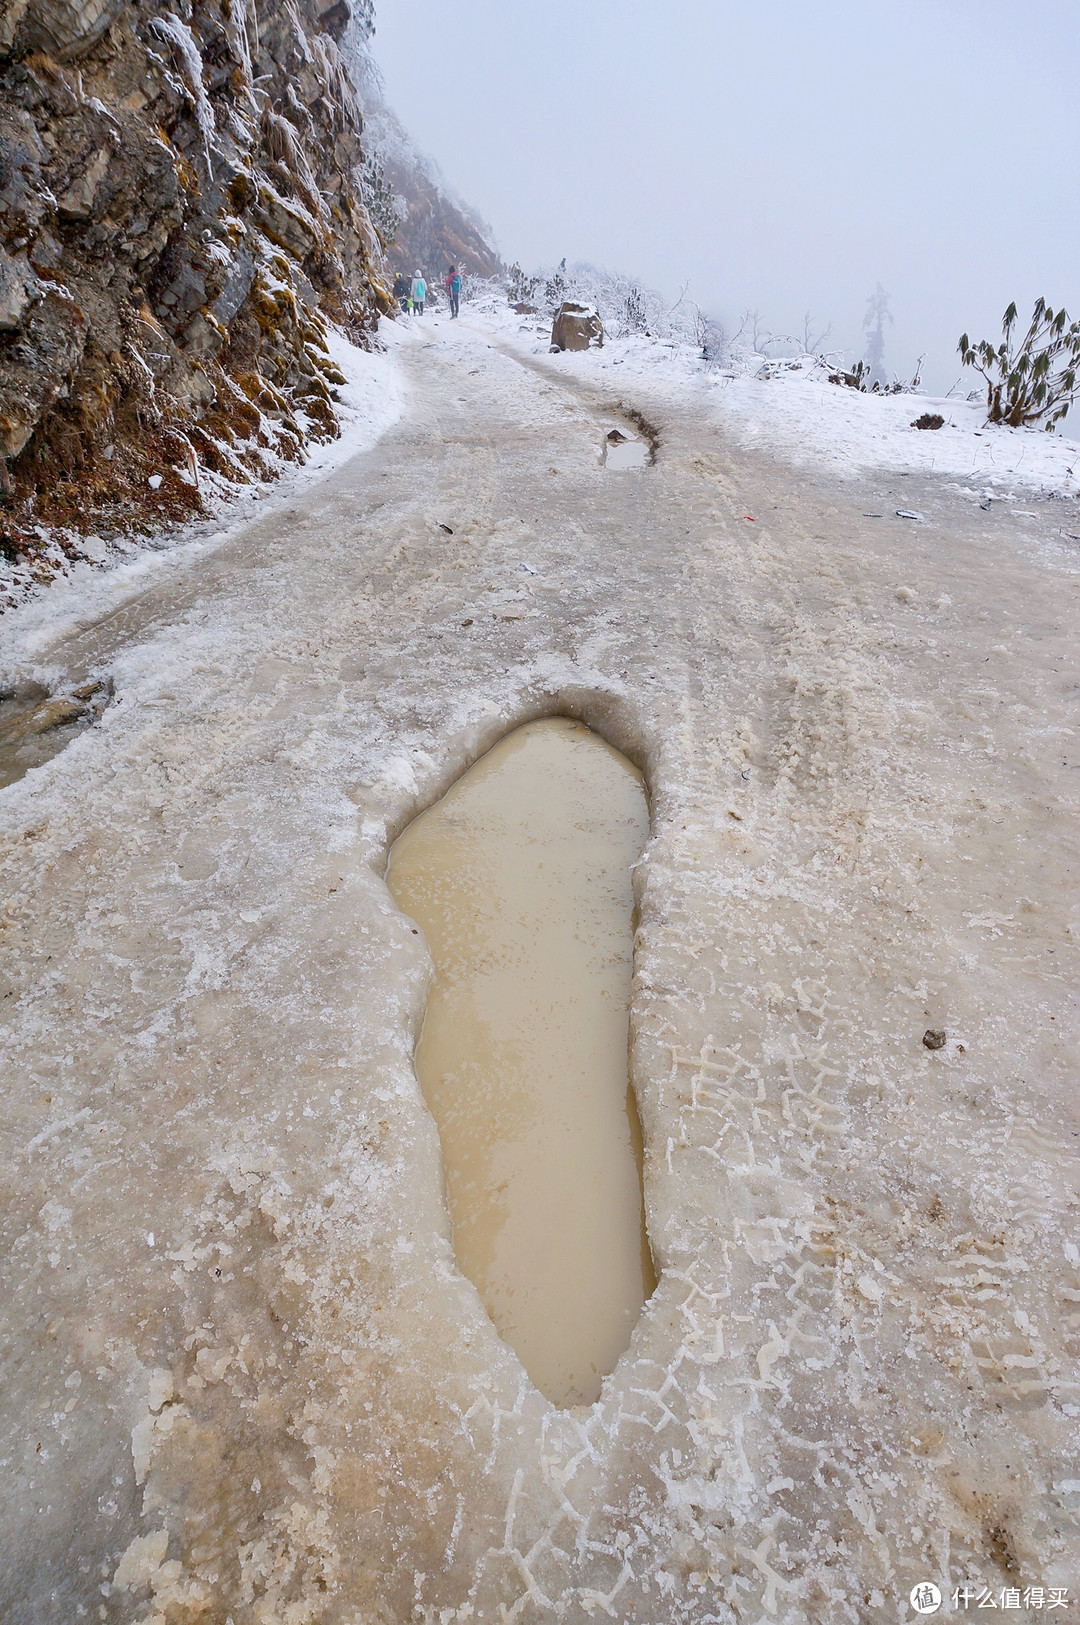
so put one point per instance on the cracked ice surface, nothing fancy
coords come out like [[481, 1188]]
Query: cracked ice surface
[[243, 1377]]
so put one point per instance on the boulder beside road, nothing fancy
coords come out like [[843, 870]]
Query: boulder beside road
[[576, 327]]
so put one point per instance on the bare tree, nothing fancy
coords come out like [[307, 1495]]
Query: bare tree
[[812, 343], [755, 331], [877, 314]]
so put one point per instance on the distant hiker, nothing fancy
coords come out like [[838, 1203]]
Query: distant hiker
[[419, 293], [452, 284], [401, 290]]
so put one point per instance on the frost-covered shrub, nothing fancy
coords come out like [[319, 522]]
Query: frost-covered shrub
[[363, 17], [856, 378], [1036, 382], [626, 305], [381, 201], [475, 288], [859, 378], [520, 287], [711, 339], [635, 309]]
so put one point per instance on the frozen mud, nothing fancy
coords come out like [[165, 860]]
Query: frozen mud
[[243, 1377]]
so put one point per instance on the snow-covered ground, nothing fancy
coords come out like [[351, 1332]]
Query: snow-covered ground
[[243, 1377], [790, 408]]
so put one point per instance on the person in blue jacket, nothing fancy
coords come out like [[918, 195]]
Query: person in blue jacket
[[452, 284], [419, 293]]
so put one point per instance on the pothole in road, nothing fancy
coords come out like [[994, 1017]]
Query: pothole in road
[[520, 878], [36, 725], [631, 443], [622, 451]]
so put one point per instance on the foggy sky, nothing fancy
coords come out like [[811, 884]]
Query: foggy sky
[[782, 154]]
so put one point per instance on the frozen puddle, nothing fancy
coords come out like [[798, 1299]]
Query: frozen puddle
[[520, 880], [621, 451], [35, 726]]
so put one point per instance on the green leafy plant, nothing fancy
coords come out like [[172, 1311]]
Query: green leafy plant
[[1035, 381]]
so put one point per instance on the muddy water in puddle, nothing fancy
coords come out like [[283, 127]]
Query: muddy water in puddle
[[520, 880], [625, 454]]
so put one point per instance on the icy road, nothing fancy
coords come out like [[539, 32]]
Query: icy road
[[242, 1376]]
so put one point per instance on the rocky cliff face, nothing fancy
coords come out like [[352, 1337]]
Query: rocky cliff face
[[180, 212], [435, 231], [431, 229]]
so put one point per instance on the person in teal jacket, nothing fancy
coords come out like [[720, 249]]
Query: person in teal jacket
[[419, 293], [452, 284]]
